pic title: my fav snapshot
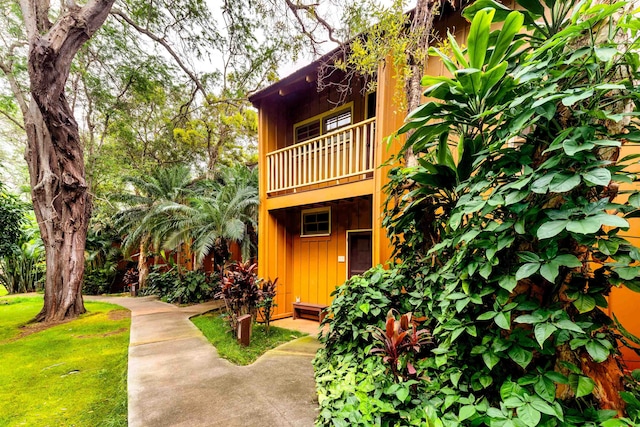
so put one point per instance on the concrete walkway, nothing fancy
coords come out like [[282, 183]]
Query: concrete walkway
[[177, 379]]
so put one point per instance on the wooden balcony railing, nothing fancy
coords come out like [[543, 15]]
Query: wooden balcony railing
[[342, 154]]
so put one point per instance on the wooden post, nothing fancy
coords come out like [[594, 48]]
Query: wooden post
[[244, 329]]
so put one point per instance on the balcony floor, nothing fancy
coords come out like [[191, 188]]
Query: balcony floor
[[326, 193]]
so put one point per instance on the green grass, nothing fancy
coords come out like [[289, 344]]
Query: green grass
[[3, 291], [71, 374], [216, 329]]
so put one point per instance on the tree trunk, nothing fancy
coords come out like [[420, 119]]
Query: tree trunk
[[421, 27], [54, 151], [143, 267]]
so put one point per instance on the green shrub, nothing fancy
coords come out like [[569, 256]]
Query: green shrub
[[23, 270], [355, 386], [101, 260], [98, 281], [183, 288]]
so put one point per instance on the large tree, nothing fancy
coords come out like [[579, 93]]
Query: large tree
[[54, 153], [42, 44]]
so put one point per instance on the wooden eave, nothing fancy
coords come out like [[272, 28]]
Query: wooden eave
[[307, 74]]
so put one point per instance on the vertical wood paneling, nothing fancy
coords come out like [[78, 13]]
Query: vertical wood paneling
[[314, 265]]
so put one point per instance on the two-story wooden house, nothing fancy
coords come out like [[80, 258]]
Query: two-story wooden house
[[320, 185]]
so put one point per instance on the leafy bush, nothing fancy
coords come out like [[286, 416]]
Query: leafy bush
[[401, 341], [267, 305], [355, 386], [98, 281], [182, 288], [23, 271], [12, 217], [240, 292], [510, 251], [101, 260], [362, 302]]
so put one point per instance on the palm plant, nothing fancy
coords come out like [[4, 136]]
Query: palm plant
[[224, 211], [147, 218]]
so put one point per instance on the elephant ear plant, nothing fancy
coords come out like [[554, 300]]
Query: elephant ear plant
[[511, 229]]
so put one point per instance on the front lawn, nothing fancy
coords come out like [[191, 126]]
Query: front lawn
[[216, 329], [71, 374]]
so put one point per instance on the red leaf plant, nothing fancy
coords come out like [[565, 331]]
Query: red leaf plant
[[401, 341]]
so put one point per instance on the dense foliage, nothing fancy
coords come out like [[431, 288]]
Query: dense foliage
[[509, 250], [240, 292], [102, 253], [22, 270], [182, 287], [11, 218]]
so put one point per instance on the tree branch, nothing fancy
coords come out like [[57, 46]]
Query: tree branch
[[15, 87], [12, 119], [57, 48], [163, 43], [296, 8]]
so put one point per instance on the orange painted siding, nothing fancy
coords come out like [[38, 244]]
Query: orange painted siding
[[623, 302], [307, 267]]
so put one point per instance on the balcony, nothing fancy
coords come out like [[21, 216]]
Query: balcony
[[345, 155]]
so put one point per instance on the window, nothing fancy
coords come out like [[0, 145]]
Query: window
[[308, 131], [323, 123], [371, 104], [337, 121], [316, 222]]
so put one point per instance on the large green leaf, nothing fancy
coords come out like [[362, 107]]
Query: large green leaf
[[490, 359], [529, 415], [581, 385], [492, 77], [508, 282], [542, 331], [478, 40], [510, 28], [501, 11], [457, 51], [550, 271], [466, 411], [598, 176], [527, 270], [568, 101], [551, 228], [568, 325], [563, 182], [572, 146], [533, 6], [597, 351], [584, 303], [503, 320], [592, 224], [521, 356]]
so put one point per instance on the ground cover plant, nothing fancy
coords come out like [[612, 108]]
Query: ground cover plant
[[214, 326], [181, 287], [73, 373], [509, 243]]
